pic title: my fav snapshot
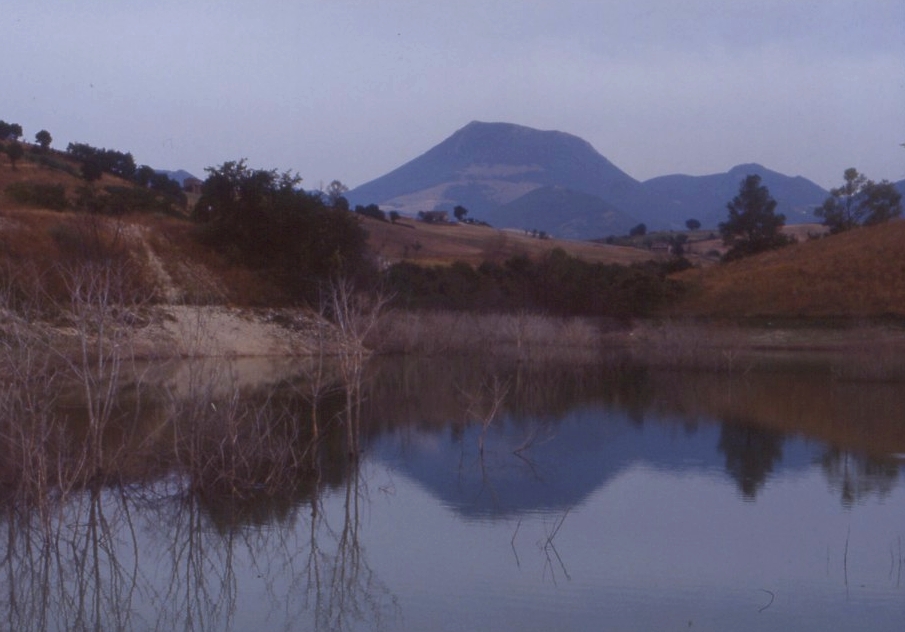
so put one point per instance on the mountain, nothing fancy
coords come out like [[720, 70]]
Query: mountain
[[486, 165], [705, 197], [179, 176], [564, 213], [515, 176]]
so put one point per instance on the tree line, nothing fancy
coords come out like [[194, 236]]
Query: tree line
[[557, 283]]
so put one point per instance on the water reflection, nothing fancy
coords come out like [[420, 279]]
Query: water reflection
[[217, 508], [751, 454], [556, 436]]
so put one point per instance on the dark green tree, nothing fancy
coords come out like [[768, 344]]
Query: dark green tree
[[263, 220], [692, 224], [10, 131], [460, 212], [394, 216], [858, 202], [14, 151], [638, 231], [43, 138], [753, 225], [336, 192], [91, 170], [143, 175]]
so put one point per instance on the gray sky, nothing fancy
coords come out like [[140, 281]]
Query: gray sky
[[350, 89]]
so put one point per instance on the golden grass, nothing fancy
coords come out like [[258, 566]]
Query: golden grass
[[439, 244], [33, 173], [858, 274]]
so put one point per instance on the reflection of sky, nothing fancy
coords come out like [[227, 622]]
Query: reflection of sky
[[653, 549], [655, 533]]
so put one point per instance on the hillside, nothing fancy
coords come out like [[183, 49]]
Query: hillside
[[432, 244], [857, 274], [177, 269]]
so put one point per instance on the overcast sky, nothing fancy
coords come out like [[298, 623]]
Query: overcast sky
[[351, 89]]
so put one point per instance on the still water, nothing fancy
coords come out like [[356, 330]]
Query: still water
[[498, 497]]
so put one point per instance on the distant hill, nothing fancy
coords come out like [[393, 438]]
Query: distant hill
[[705, 197], [180, 175], [515, 176]]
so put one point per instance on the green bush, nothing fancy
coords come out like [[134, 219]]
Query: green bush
[[49, 196], [557, 284]]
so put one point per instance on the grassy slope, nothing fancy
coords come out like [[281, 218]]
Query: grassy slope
[[857, 274], [28, 171], [444, 243]]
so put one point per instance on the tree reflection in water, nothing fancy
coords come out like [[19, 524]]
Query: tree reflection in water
[[119, 558], [855, 477], [223, 515], [751, 454]]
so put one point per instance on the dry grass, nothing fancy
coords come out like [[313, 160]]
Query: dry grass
[[858, 274], [521, 336], [437, 244]]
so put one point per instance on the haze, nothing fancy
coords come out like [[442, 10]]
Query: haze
[[350, 89]]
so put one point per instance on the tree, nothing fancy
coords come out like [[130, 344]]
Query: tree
[[262, 219], [460, 212], [335, 193], [143, 175], [91, 170], [43, 138], [692, 224], [10, 131], [394, 216], [859, 201], [638, 231], [15, 152], [753, 225]]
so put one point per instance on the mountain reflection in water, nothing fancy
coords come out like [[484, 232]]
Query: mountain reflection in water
[[489, 495]]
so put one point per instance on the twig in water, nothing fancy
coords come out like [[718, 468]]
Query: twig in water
[[518, 563], [845, 556], [772, 597]]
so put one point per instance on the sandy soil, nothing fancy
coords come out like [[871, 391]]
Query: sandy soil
[[216, 331]]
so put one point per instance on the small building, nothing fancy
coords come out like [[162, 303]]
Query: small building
[[434, 217], [661, 247]]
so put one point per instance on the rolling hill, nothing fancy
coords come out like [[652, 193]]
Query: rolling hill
[[859, 273], [518, 177]]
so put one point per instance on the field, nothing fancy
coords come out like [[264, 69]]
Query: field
[[437, 244]]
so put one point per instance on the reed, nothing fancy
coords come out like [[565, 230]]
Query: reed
[[522, 335]]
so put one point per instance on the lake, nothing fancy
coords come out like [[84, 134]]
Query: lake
[[486, 495]]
